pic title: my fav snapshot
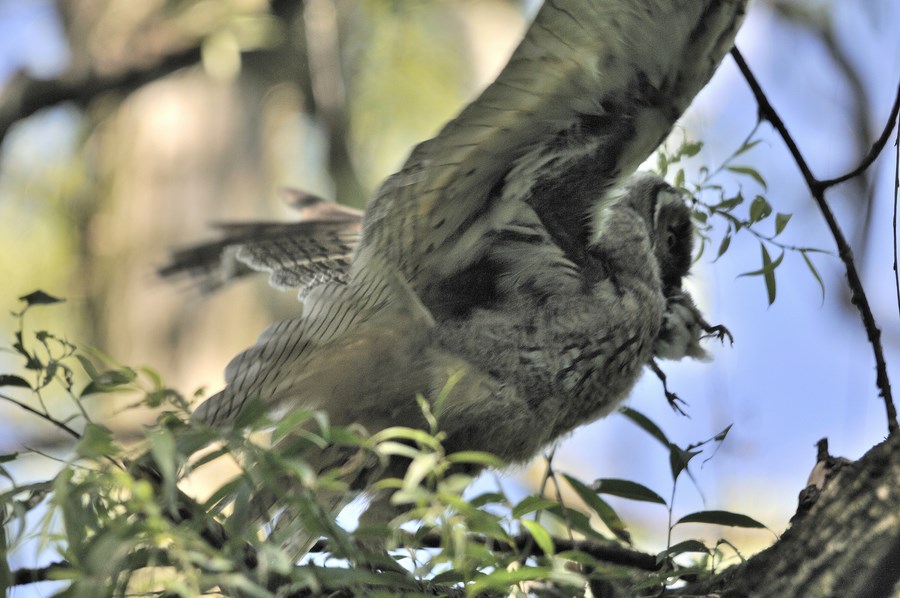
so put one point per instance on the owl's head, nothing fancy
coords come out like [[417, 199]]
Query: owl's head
[[669, 222], [673, 238]]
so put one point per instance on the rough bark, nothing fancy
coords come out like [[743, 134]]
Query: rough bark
[[846, 544]]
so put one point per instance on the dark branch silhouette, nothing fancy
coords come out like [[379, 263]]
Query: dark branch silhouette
[[817, 189]]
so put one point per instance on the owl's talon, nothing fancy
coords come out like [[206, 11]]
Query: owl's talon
[[720, 332], [671, 397]]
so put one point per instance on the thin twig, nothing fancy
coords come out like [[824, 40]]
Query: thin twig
[[874, 151], [896, 190], [43, 416], [817, 189]]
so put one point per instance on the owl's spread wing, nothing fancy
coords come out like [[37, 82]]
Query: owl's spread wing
[[593, 88]]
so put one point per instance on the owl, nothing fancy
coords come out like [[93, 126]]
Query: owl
[[515, 254]]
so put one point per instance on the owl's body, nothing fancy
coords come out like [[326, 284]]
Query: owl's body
[[501, 256]]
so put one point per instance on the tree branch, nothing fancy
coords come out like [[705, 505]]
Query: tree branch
[[846, 543], [23, 96], [874, 151], [26, 576], [817, 189]]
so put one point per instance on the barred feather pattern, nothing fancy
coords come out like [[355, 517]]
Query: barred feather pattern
[[619, 73], [504, 203], [297, 255]]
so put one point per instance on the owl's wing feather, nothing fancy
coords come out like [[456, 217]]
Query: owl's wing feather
[[367, 332], [616, 73], [297, 255]]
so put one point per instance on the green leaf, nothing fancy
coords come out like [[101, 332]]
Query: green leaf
[[291, 422], [252, 412], [541, 536], [767, 271], [162, 448], [11, 380], [88, 366], [815, 273], [96, 442], [750, 172], [726, 205], [726, 518], [747, 147], [678, 183], [577, 521], [8, 457], [781, 221], [476, 457], [487, 498], [530, 504], [724, 245], [645, 424], [627, 489], [760, 209], [6, 578], [40, 298], [502, 579], [599, 506], [109, 380], [679, 459], [421, 466], [690, 149], [681, 548]]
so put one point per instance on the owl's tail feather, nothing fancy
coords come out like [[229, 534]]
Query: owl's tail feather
[[297, 255]]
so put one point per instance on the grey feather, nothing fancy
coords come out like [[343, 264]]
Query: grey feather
[[505, 253]]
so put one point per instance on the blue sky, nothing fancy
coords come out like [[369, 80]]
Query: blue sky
[[800, 369]]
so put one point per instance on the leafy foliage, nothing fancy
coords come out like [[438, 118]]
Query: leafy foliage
[[121, 524], [736, 209]]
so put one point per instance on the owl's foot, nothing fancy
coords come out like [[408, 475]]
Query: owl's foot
[[671, 397], [718, 331]]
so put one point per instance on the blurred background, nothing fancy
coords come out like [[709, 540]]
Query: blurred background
[[128, 128]]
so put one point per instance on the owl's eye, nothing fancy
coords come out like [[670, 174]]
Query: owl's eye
[[671, 239]]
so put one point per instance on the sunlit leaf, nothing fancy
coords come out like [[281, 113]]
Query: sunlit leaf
[[530, 504], [162, 448], [476, 457], [541, 536], [502, 579], [96, 441]]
